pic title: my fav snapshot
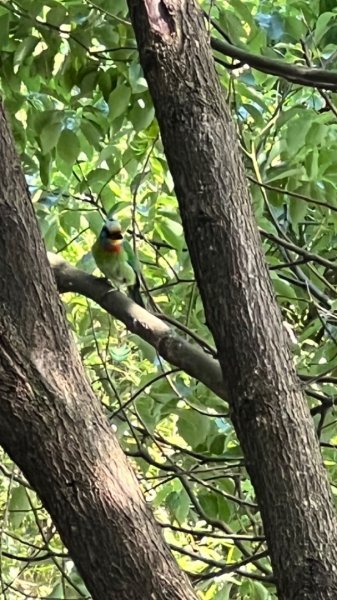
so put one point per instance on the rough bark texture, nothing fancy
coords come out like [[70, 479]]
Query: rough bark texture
[[269, 411], [53, 427], [171, 347]]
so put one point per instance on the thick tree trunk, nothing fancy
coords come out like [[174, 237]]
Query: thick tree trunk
[[53, 427], [269, 411]]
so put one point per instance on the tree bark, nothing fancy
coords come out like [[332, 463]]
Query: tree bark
[[173, 348], [53, 427], [268, 408]]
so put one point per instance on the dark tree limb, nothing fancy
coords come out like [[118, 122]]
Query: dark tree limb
[[311, 77], [54, 428], [269, 411], [177, 351]]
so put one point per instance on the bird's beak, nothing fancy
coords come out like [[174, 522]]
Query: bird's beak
[[113, 233], [115, 236]]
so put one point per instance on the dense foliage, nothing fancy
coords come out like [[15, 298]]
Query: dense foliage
[[89, 143]]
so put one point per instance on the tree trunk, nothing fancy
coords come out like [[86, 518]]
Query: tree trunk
[[53, 427], [269, 411]]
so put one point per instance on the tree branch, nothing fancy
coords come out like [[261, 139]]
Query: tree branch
[[171, 347], [319, 78]]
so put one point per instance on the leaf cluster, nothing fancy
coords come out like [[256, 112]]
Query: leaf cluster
[[89, 143]]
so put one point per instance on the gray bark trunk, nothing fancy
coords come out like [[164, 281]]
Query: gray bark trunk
[[53, 427], [269, 411]]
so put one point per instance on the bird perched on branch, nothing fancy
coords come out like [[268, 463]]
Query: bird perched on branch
[[117, 261]]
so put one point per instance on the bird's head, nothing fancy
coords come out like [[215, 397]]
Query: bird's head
[[111, 235]]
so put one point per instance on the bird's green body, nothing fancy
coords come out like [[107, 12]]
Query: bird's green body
[[114, 265], [116, 260]]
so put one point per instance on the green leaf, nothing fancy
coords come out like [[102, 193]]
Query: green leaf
[[178, 503], [148, 410], [25, 48], [182, 507], [242, 10], [258, 591], [70, 221], [224, 593], [311, 164], [171, 232], [141, 116], [284, 173], [283, 289], [88, 82], [164, 492], [136, 78], [49, 136], [45, 167], [92, 133], [57, 591], [322, 25], [193, 427], [19, 505], [95, 221], [317, 134], [119, 101], [4, 27], [297, 212], [43, 118], [296, 133], [68, 146], [50, 233], [57, 15], [120, 353]]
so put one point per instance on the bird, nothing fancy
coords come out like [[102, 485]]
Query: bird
[[116, 259]]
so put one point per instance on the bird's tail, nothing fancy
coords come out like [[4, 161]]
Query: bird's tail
[[134, 293]]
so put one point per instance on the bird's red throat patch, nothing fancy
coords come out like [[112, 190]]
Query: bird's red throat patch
[[113, 247]]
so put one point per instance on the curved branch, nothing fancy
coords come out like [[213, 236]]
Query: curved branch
[[319, 78], [171, 347], [310, 256]]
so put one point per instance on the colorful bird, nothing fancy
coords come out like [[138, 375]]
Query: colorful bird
[[115, 258]]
